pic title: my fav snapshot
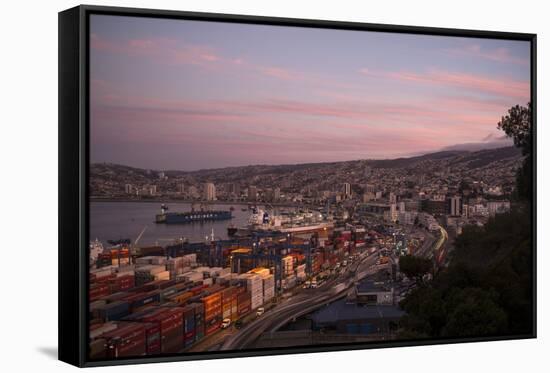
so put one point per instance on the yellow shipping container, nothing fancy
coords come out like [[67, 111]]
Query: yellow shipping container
[[182, 298], [260, 271]]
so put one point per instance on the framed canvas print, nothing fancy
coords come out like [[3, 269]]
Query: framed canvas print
[[235, 186]]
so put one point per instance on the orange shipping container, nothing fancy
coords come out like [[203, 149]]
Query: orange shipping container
[[182, 298]]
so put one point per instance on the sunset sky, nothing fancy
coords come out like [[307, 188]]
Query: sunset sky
[[172, 94]]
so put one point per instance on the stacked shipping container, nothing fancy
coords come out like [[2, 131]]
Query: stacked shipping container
[[254, 286], [139, 310], [125, 341], [189, 325], [212, 312], [243, 303], [288, 265], [170, 323]]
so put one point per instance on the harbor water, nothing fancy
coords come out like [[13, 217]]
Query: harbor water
[[126, 220]]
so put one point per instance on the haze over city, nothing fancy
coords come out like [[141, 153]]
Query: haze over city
[[187, 95]]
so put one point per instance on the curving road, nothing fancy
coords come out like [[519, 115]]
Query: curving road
[[300, 304], [438, 250]]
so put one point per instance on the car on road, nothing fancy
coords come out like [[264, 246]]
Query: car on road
[[238, 324], [260, 311], [226, 323]]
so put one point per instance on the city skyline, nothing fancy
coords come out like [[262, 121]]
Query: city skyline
[[188, 95]]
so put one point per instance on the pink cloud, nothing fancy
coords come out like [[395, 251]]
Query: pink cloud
[[172, 52], [238, 126], [501, 86], [162, 50], [502, 55], [446, 110], [280, 73], [141, 43], [267, 136]]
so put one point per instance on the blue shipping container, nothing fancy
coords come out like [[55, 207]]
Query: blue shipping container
[[114, 311]]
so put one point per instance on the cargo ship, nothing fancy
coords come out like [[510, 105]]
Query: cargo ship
[[296, 223], [96, 248], [191, 216]]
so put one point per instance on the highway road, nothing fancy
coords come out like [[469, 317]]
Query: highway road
[[429, 240], [439, 251], [432, 245], [301, 304]]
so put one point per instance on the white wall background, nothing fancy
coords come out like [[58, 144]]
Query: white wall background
[[28, 187]]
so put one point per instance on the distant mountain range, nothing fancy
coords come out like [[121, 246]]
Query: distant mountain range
[[492, 165], [473, 159], [482, 145]]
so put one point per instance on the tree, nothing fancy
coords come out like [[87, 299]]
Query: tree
[[473, 312], [487, 287], [485, 290], [518, 126], [426, 315], [414, 267]]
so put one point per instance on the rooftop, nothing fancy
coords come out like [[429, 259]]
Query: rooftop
[[342, 311], [371, 286]]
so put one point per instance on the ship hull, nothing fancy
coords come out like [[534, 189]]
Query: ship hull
[[293, 230], [307, 229], [192, 217]]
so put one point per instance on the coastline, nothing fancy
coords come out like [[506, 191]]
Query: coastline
[[172, 200]]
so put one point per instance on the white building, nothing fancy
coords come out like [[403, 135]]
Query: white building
[[276, 194], [252, 193], [456, 206], [209, 191], [407, 217], [367, 197], [193, 192], [346, 189], [498, 207]]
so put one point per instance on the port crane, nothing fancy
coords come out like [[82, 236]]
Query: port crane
[[134, 245]]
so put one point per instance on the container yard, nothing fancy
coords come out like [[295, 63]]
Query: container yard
[[169, 299]]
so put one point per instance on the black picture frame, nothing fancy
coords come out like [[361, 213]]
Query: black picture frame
[[74, 171]]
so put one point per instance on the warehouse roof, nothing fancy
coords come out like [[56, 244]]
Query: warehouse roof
[[342, 311], [371, 286]]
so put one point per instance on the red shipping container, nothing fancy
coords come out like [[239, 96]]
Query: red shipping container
[[170, 320], [153, 339], [104, 279], [122, 283], [212, 326], [198, 289], [128, 340], [244, 309], [240, 290], [98, 291]]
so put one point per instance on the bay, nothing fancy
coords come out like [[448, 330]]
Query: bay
[[126, 220]]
